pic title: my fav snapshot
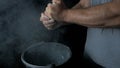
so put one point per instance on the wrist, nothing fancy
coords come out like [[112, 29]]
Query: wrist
[[64, 15], [67, 16]]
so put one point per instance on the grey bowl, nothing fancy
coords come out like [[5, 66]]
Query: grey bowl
[[45, 54]]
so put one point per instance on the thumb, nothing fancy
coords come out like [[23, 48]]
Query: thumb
[[58, 2]]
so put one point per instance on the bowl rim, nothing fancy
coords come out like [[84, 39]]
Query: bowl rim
[[31, 65]]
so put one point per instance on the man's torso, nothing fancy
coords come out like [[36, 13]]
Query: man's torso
[[103, 44]]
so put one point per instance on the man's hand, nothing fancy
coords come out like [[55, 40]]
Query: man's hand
[[51, 24], [47, 22], [47, 18], [56, 10]]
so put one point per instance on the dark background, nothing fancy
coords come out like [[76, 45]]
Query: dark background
[[20, 27]]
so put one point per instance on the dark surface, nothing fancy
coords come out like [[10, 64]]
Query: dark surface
[[20, 27]]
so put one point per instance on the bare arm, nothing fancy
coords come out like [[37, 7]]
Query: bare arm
[[108, 23], [50, 23], [95, 16]]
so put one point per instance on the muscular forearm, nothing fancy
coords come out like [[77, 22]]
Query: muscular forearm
[[91, 16], [112, 22], [107, 23]]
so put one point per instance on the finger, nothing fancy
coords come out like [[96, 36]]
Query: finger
[[47, 13], [48, 22], [49, 5], [48, 10], [43, 17], [56, 2], [51, 26]]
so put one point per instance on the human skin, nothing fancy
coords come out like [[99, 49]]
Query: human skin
[[49, 23], [104, 15]]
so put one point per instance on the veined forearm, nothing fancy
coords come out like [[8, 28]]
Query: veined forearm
[[108, 23], [90, 15]]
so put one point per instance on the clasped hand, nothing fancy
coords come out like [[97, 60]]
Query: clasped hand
[[53, 11]]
